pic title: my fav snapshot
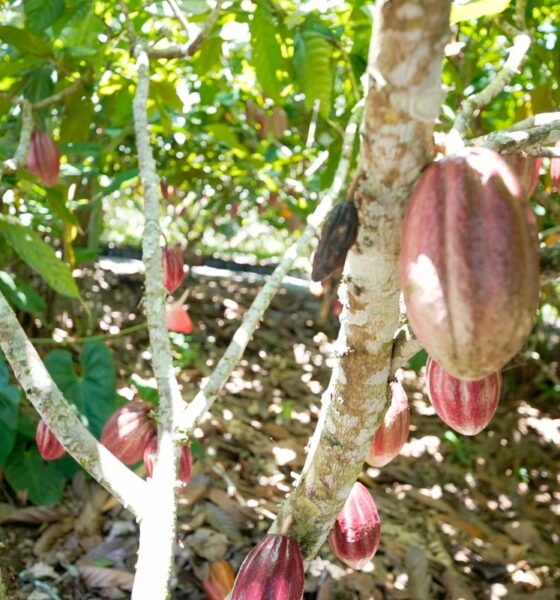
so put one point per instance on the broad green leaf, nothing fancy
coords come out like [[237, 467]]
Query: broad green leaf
[[40, 257], [477, 9], [24, 41], [9, 407], [119, 180], [313, 58], [27, 472], [40, 14], [194, 7], [21, 295], [265, 51], [39, 83], [60, 366]]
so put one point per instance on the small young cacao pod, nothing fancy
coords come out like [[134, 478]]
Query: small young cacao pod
[[177, 319], [273, 570], [555, 171], [185, 461], [49, 447], [220, 580], [527, 170], [173, 267], [167, 190], [338, 236], [469, 263], [466, 406], [355, 535], [43, 158], [393, 433], [128, 431]]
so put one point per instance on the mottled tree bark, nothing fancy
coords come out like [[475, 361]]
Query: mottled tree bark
[[403, 102]]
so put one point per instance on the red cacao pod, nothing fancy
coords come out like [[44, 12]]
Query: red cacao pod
[[128, 431], [555, 171], [43, 158], [466, 406], [393, 433], [173, 267], [355, 535], [49, 447], [469, 263], [185, 461], [273, 570], [177, 319], [167, 190], [220, 580], [527, 170]]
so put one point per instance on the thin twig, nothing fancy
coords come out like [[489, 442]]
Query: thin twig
[[179, 16], [520, 8], [13, 164], [212, 387], [508, 142], [71, 89]]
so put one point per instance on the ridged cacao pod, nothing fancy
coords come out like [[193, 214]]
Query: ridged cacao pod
[[555, 171], [185, 461], [273, 570], [173, 267], [466, 406], [128, 431], [43, 158], [167, 190], [49, 447], [338, 236], [220, 580], [357, 530], [527, 170], [393, 433], [469, 263], [177, 319]]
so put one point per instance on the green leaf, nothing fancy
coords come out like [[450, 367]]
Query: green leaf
[[9, 408], [40, 257], [24, 41], [21, 295], [40, 14], [312, 60], [27, 472], [477, 9], [194, 7], [266, 54]]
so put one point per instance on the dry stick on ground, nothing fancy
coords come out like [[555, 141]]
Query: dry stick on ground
[[402, 105], [157, 528], [212, 387]]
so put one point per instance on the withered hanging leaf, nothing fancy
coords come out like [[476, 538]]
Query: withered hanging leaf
[[338, 236]]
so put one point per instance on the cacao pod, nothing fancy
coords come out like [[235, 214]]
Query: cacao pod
[[43, 158], [273, 570], [527, 170], [128, 431], [49, 447], [167, 190], [173, 267], [220, 580], [469, 263], [466, 406], [355, 535], [393, 433], [185, 461], [177, 319], [338, 236], [555, 171]]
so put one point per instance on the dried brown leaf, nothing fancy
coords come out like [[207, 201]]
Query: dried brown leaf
[[102, 577]]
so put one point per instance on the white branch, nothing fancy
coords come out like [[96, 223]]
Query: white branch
[[14, 163], [511, 141]]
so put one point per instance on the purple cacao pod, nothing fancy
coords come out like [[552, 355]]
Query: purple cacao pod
[[357, 530], [555, 171], [185, 461], [173, 267], [49, 447], [393, 432], [273, 570], [527, 170], [466, 406], [43, 158], [469, 263]]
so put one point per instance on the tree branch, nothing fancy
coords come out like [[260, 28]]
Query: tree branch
[[179, 16], [71, 89], [511, 141], [49, 402], [212, 387], [13, 164], [157, 528]]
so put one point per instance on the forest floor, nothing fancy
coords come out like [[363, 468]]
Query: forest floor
[[461, 517]]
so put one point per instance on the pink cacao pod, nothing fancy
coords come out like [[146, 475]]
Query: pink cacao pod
[[49, 447], [220, 580], [357, 530], [469, 263], [273, 570], [393, 433], [466, 406], [555, 171], [128, 431], [43, 158], [173, 267], [527, 170], [177, 319], [185, 461]]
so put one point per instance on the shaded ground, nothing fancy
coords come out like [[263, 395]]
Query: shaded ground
[[461, 517]]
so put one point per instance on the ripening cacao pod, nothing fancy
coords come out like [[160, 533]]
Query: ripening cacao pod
[[338, 236], [355, 535], [185, 461], [173, 267], [466, 406], [527, 170], [43, 158], [167, 190], [273, 570], [177, 319], [469, 263], [128, 431], [393, 433], [49, 447], [555, 171], [220, 580]]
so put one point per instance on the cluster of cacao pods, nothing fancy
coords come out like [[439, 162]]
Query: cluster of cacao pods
[[470, 276], [43, 158]]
